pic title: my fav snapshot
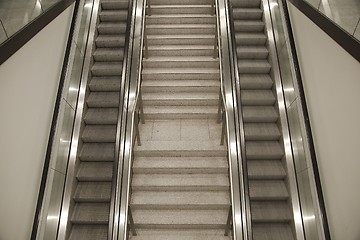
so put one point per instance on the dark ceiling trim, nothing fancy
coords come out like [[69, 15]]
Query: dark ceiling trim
[[14, 43], [344, 39]]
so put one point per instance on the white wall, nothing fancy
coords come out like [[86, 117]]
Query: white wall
[[331, 80], [28, 88]]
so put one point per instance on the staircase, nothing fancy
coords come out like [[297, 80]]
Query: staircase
[[180, 184], [90, 214], [271, 213]]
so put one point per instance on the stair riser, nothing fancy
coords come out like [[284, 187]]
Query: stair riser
[[181, 20], [180, 102], [180, 226], [169, 116], [181, 188], [181, 76], [181, 171], [180, 64], [182, 52], [180, 31], [182, 153], [182, 10], [148, 89], [180, 207], [182, 2], [181, 41]]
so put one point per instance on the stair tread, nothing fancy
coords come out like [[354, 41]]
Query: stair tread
[[180, 70], [182, 95], [110, 40], [93, 192], [180, 59], [180, 180], [173, 199], [180, 146], [97, 152], [91, 213], [187, 26], [179, 162], [187, 218], [180, 234], [95, 171], [180, 83]]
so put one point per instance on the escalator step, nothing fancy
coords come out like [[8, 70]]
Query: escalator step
[[89, 232], [111, 28], [257, 98], [113, 15], [101, 116], [268, 190], [254, 66], [108, 54], [266, 169], [93, 192], [252, 52], [272, 231], [95, 171], [246, 4], [111, 41], [259, 114], [247, 13], [243, 38], [91, 213], [254, 81], [263, 150], [270, 211], [103, 99], [261, 131], [105, 84], [249, 26], [102, 69], [97, 152], [99, 134], [114, 4]]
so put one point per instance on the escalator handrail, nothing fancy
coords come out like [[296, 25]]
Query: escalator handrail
[[120, 130], [228, 94], [239, 119], [285, 132], [131, 99]]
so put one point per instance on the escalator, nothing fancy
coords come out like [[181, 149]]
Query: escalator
[[91, 192], [270, 200]]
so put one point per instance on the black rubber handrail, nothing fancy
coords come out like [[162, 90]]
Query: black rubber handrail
[[16, 43], [309, 139], [19, 39], [343, 38]]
